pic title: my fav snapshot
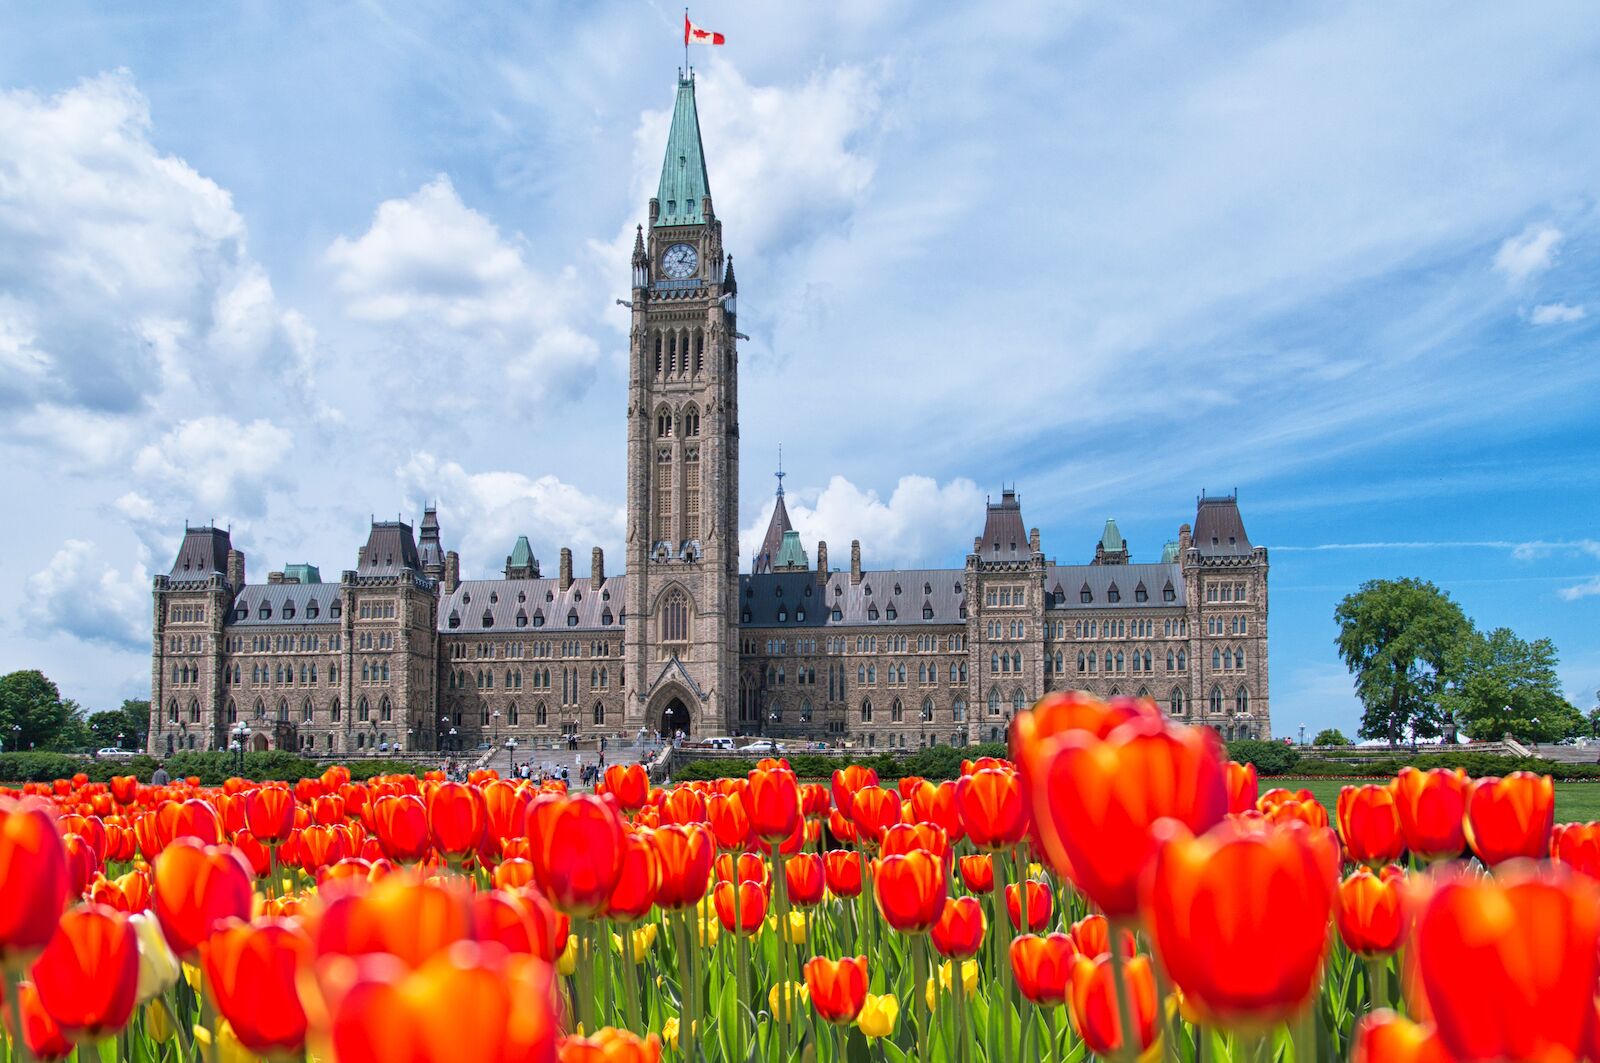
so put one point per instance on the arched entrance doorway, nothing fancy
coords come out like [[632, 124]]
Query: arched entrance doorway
[[675, 718], [259, 743]]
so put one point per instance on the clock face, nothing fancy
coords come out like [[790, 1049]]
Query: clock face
[[679, 261]]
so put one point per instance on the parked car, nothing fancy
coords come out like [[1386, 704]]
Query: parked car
[[763, 748], [113, 751], [714, 743]]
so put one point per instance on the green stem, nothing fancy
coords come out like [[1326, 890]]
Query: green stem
[[687, 1034], [780, 890], [959, 992], [1170, 1030], [1022, 890], [1001, 921], [19, 1040], [1377, 982], [1303, 1033], [584, 928], [1129, 1044], [630, 980], [1050, 1024], [919, 980]]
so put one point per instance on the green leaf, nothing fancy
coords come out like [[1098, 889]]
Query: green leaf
[[855, 1047]]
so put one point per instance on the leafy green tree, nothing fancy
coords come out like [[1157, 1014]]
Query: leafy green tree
[[1506, 685], [32, 712], [1331, 736], [130, 722], [1594, 722], [1399, 638]]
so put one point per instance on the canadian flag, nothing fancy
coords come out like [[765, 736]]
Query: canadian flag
[[693, 34]]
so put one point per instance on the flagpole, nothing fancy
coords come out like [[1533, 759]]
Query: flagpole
[[686, 42]]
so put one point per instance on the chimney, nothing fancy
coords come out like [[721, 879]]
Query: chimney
[[597, 568], [452, 572], [1183, 539], [566, 567], [275, 577], [822, 559], [855, 560], [1033, 540], [235, 569]]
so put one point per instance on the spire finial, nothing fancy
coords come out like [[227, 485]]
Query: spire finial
[[780, 473]]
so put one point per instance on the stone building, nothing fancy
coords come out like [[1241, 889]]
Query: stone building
[[402, 653]]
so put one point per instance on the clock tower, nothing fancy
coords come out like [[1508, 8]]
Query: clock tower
[[682, 631]]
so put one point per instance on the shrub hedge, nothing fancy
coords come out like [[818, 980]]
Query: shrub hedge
[[936, 763], [212, 767], [1270, 758]]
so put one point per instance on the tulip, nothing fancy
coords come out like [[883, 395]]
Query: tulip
[[269, 813], [1510, 817], [994, 808], [319, 847], [1092, 1000], [946, 981], [640, 942], [125, 788], [1506, 965], [88, 976], [1243, 786], [907, 837], [401, 824], [1039, 906], [504, 917], [628, 783], [752, 903], [577, 851], [938, 804], [158, 967], [910, 890], [745, 867], [683, 806], [457, 818], [847, 782], [838, 987], [977, 872], [638, 880], [1092, 935], [505, 806], [874, 810], [401, 915], [959, 928], [39, 1029], [1384, 1037], [685, 856], [878, 1015], [82, 864], [772, 801], [1369, 823], [34, 886], [843, 870], [785, 997], [804, 875], [1259, 891], [1432, 807], [196, 887], [610, 1045], [1096, 800], [1577, 845], [250, 971], [1042, 967], [730, 824], [1370, 911], [1292, 806]]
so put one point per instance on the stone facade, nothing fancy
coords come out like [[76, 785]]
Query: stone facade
[[402, 654]]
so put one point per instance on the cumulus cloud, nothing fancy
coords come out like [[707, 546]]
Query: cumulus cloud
[[445, 275], [1588, 588], [1555, 314], [1529, 253], [79, 594], [221, 464], [922, 523], [485, 512]]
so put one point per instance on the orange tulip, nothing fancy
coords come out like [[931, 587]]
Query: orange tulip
[[577, 851], [1058, 714], [1093, 1003], [1511, 817], [408, 918], [938, 804], [1042, 967], [1432, 807], [910, 889], [1243, 890], [977, 872], [959, 929], [993, 807], [1092, 935], [1292, 806], [1369, 823], [401, 824], [89, 973], [319, 846], [505, 806], [843, 870], [196, 887], [838, 987], [548, 927], [1244, 786], [250, 971], [847, 782], [772, 801], [908, 837], [638, 880], [34, 886], [1370, 911], [1096, 800], [874, 810], [730, 825], [41, 1032], [628, 783], [1039, 906], [81, 863], [683, 805], [1384, 1037], [457, 818], [685, 854], [1577, 845], [804, 876], [610, 1045], [125, 788], [1506, 966], [752, 906], [504, 917]]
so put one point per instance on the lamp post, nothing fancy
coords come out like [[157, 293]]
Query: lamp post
[[1302, 734], [239, 732], [119, 739], [16, 738], [438, 735], [452, 738], [495, 734], [511, 746], [410, 738]]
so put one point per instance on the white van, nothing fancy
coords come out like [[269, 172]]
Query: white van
[[718, 743]]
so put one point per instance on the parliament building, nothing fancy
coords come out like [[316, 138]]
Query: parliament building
[[400, 653]]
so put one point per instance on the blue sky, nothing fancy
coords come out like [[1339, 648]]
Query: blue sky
[[288, 267]]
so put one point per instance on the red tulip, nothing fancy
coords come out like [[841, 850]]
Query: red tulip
[[959, 929], [683, 805], [909, 837], [457, 818], [849, 780], [503, 916], [638, 880], [874, 810], [745, 867], [610, 1045], [628, 783], [548, 927], [730, 824], [772, 801], [1384, 1037], [1039, 906], [1242, 890], [1093, 1000], [1043, 966], [910, 889], [1092, 935], [505, 806], [1511, 816], [250, 971], [993, 807], [977, 872], [196, 887], [838, 987], [1292, 806], [843, 870], [89, 973], [1577, 845], [804, 876], [1370, 911], [685, 854], [938, 804], [319, 846], [401, 824], [1369, 823], [400, 914], [1243, 785], [81, 864], [1432, 807], [190, 819], [577, 851], [34, 883], [125, 788], [752, 906], [1058, 714]]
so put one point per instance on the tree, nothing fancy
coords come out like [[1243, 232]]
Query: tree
[[125, 726], [1505, 685], [32, 713], [1330, 736], [1399, 638], [1594, 722]]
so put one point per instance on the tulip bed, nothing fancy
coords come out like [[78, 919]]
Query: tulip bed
[[1116, 889]]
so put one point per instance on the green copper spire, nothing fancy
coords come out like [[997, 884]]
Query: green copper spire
[[791, 555], [683, 171], [1111, 538], [521, 553]]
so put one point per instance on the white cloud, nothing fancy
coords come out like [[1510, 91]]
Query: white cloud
[[445, 275], [1529, 253], [919, 525], [81, 595], [1588, 588], [216, 462], [1555, 314], [485, 512]]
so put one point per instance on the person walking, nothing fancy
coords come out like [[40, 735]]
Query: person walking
[[159, 777]]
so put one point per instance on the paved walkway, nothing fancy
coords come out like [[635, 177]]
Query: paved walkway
[[556, 759]]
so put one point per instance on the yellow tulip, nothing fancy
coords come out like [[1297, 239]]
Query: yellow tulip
[[797, 928], [644, 938], [229, 1050], [969, 980], [567, 962], [193, 976], [158, 1021], [878, 1015], [709, 930], [799, 995], [669, 1032], [158, 967], [1035, 871]]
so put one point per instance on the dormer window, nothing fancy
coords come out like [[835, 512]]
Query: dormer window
[[1086, 595], [927, 611], [890, 613], [872, 613], [493, 598], [783, 615], [522, 618], [808, 590], [800, 615], [605, 617], [605, 596], [1168, 594], [897, 588], [1140, 594], [522, 596], [836, 615], [488, 618], [549, 595], [266, 610], [312, 612], [745, 617], [455, 619], [335, 609], [777, 591], [243, 612], [577, 596], [288, 610], [572, 618], [866, 589], [466, 597], [538, 618], [1113, 595]]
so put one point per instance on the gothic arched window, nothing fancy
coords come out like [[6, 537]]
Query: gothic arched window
[[675, 618]]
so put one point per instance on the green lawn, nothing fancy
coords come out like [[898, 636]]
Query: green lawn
[[1576, 802]]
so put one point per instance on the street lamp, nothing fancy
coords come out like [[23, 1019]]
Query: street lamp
[[511, 745], [1302, 734], [16, 738], [452, 738], [438, 735], [239, 732], [495, 734]]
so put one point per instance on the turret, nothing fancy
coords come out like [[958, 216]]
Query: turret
[[641, 258]]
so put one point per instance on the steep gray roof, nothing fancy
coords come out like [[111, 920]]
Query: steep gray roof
[[204, 551], [390, 550], [772, 542], [284, 605], [533, 605], [1218, 528], [885, 597], [1070, 580], [429, 548], [1004, 536]]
